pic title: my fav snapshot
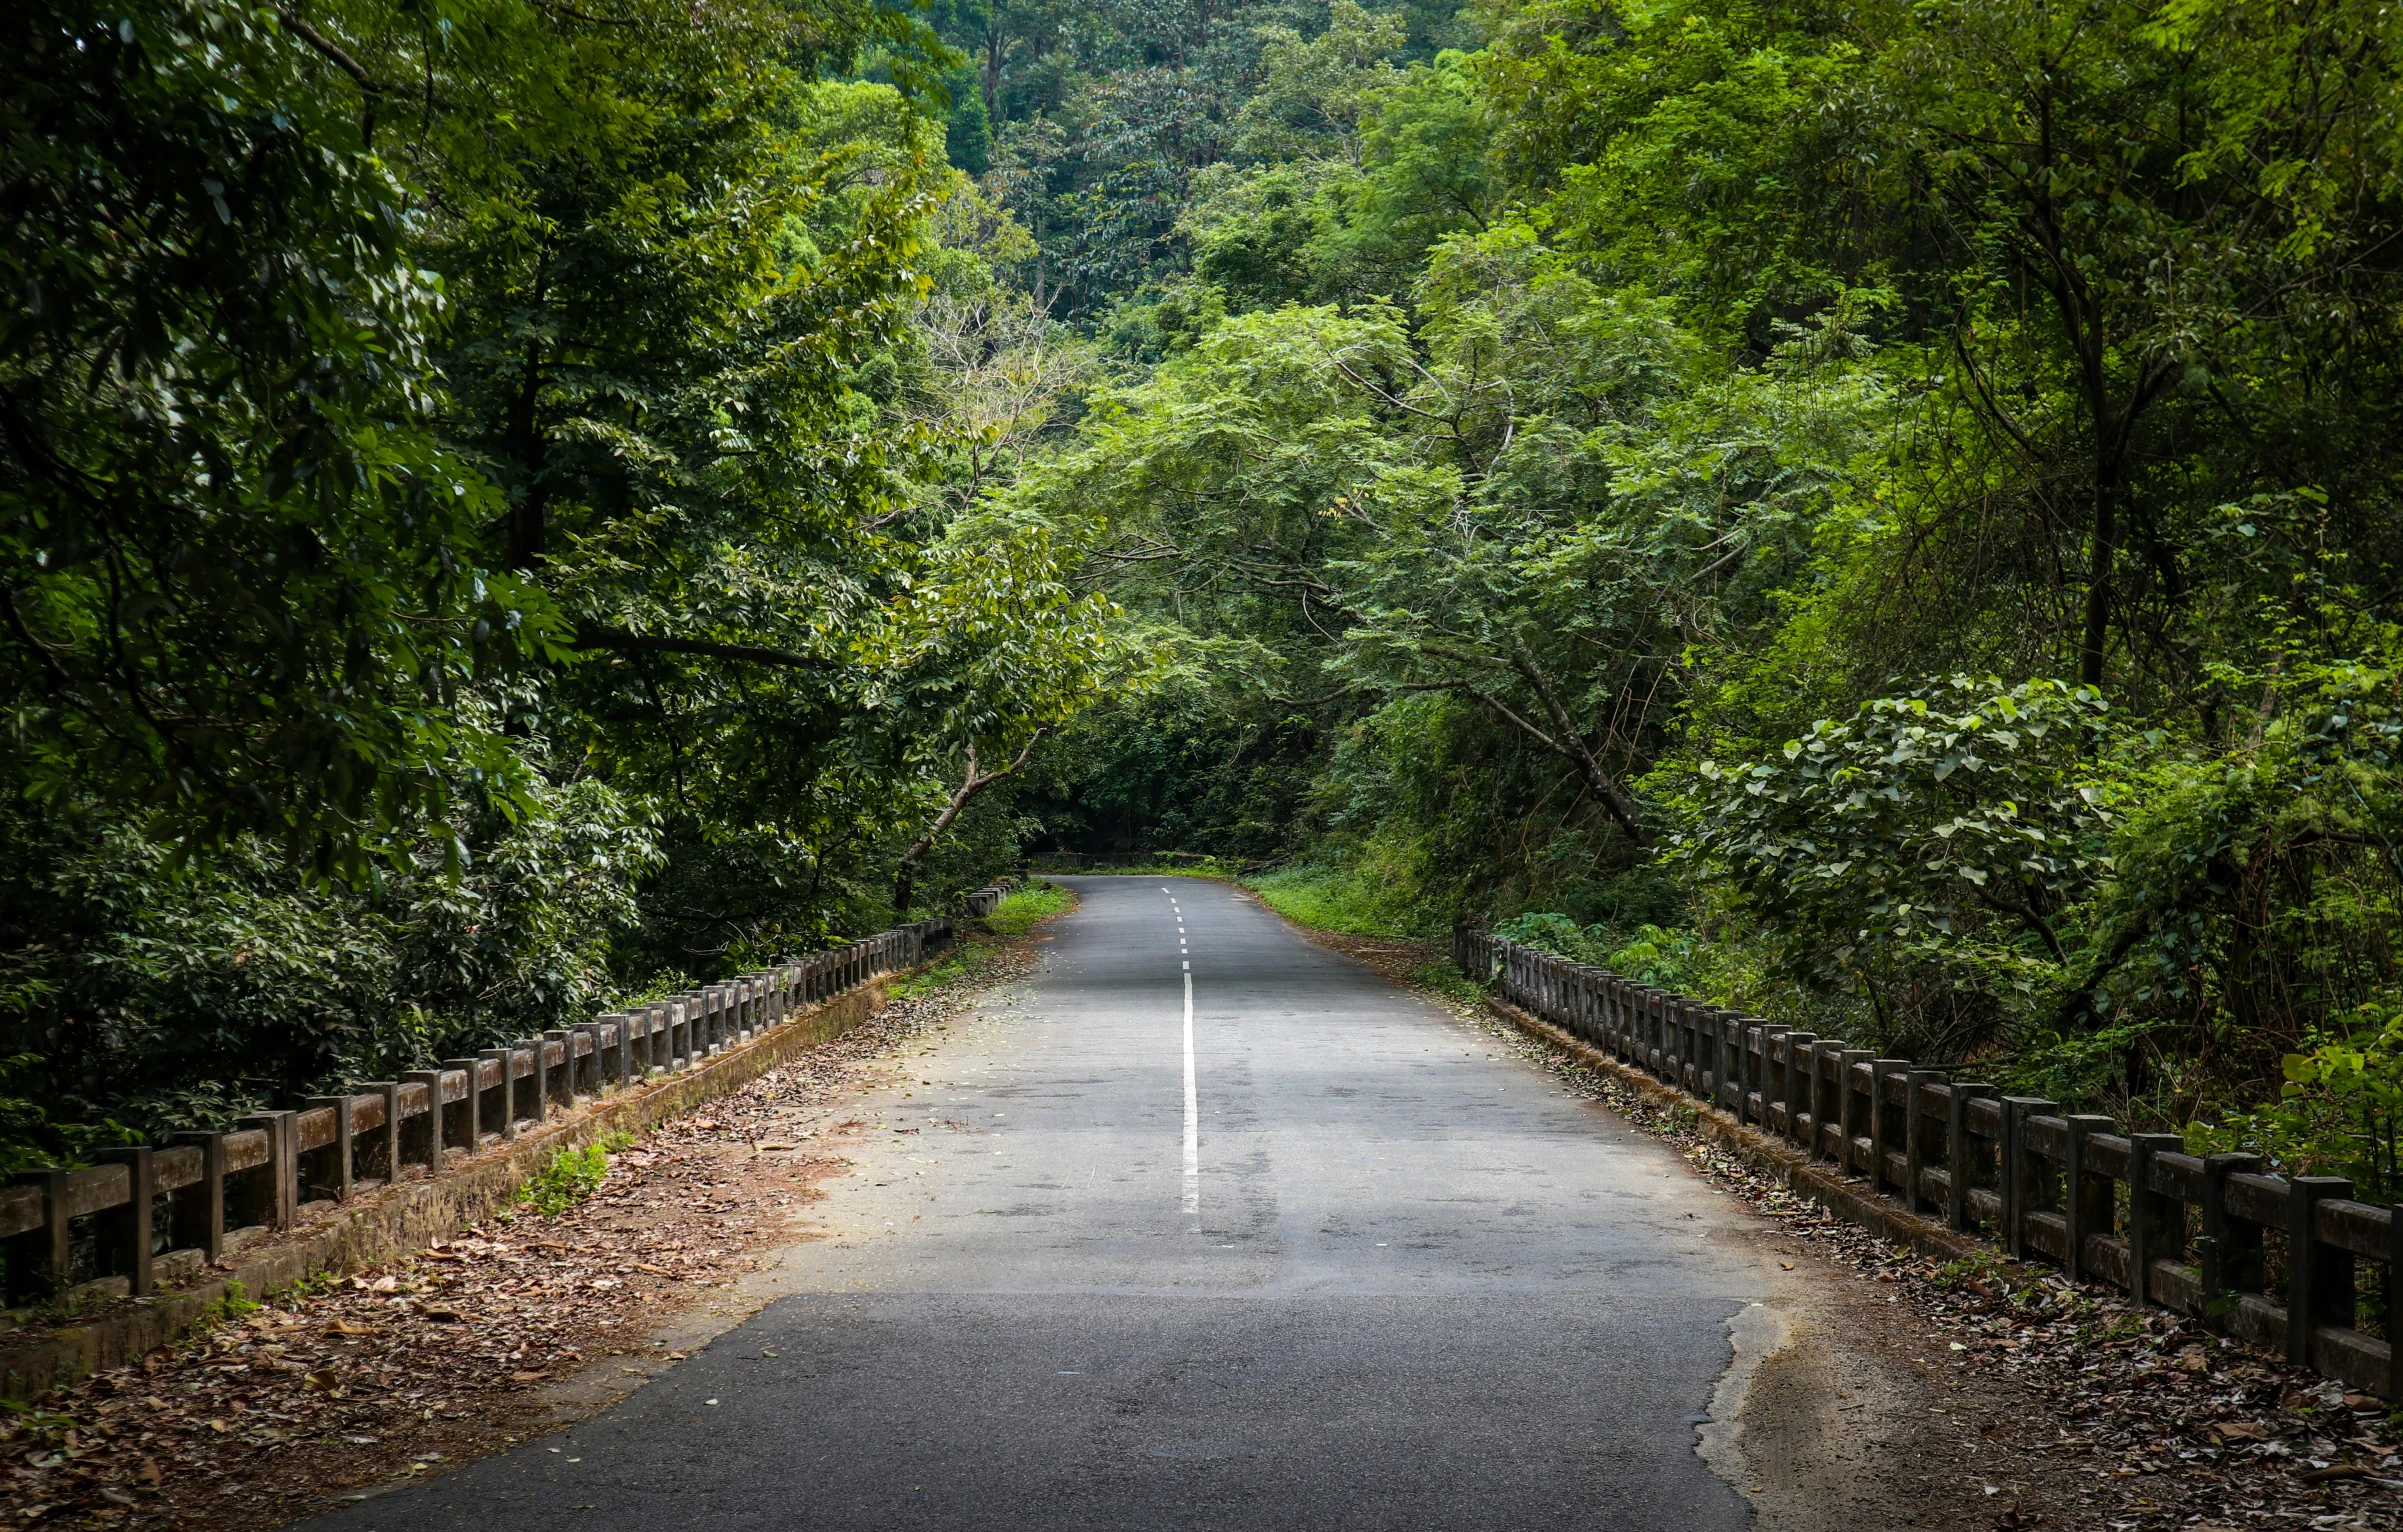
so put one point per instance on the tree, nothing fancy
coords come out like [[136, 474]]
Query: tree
[[242, 588]]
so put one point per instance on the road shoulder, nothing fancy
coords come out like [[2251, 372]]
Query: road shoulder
[[1908, 1391], [341, 1390]]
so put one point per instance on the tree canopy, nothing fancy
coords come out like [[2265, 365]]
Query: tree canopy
[[1882, 515]]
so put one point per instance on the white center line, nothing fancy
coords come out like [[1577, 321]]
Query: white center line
[[1192, 1119]]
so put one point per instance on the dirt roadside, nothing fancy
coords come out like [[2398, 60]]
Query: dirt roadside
[[356, 1385], [1889, 1391]]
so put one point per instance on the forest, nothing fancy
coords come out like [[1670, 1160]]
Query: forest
[[1882, 515]]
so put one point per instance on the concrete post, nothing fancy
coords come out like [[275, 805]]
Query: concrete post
[[125, 1234]]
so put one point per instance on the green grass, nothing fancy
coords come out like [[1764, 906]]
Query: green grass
[[1191, 866], [1352, 900], [229, 1306], [571, 1176], [1017, 913], [1445, 980], [955, 964]]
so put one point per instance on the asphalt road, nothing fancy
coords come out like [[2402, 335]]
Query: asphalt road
[[1321, 1257]]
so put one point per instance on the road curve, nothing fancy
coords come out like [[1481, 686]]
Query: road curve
[[1349, 1267]]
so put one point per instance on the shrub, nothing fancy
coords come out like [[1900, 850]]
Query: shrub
[[571, 1176]]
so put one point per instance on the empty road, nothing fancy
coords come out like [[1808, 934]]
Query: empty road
[[1201, 1227]]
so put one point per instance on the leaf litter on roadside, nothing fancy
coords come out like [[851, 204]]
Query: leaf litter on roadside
[[2155, 1422], [347, 1384]]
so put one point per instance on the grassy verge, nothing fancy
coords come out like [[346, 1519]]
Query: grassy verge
[[1443, 979], [1016, 914], [952, 966], [1352, 900], [1182, 867], [1012, 918]]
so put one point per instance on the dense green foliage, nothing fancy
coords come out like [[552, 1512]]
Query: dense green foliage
[[498, 514], [1881, 515]]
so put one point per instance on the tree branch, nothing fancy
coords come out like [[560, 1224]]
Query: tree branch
[[904, 871], [332, 51], [1614, 798]]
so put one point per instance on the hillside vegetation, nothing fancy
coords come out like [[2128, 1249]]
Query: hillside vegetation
[[1883, 516]]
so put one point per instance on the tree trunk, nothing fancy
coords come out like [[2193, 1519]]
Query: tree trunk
[[2097, 630], [905, 875]]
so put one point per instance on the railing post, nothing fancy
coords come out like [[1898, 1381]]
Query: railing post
[[584, 1042], [2016, 1168], [1731, 1061], [339, 1182], [1958, 1210], [199, 1209], [2319, 1278], [1827, 1099], [475, 1101], [2078, 1203], [391, 1166], [2394, 1303], [1699, 1072], [2156, 1221], [438, 1141], [1915, 1133], [125, 1230], [539, 1045], [41, 1260], [505, 1060], [2229, 1250], [1765, 1072], [1888, 1120], [1760, 1072], [1851, 1120], [1797, 1083], [283, 1164]]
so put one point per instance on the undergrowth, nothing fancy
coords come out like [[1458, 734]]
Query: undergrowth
[[1017, 913], [953, 965], [1441, 978], [1356, 900], [571, 1176]]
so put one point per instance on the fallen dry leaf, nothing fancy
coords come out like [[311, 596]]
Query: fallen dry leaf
[[2334, 1471], [440, 1360]]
